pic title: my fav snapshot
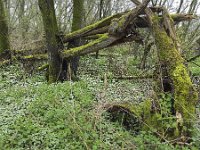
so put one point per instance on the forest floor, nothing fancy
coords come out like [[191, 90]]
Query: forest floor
[[35, 115]]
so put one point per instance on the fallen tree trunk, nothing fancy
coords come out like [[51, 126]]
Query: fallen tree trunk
[[103, 25], [173, 81], [103, 41]]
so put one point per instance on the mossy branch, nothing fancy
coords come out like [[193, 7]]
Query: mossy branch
[[34, 57], [98, 28], [103, 41], [43, 67], [102, 23]]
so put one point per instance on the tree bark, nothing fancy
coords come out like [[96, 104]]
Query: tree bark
[[77, 23], [51, 30], [21, 16], [147, 49], [4, 36]]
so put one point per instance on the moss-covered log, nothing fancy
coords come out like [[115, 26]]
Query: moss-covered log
[[98, 28], [51, 30], [4, 36], [118, 32], [126, 21], [100, 43], [185, 96], [173, 74], [102, 23]]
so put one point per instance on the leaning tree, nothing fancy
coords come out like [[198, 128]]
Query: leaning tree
[[171, 110]]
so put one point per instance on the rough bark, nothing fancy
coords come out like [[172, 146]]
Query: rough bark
[[51, 30], [4, 36], [77, 23]]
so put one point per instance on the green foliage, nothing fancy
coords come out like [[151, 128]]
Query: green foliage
[[194, 68], [146, 140], [34, 115], [57, 116]]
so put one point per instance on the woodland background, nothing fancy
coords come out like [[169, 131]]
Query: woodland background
[[73, 114]]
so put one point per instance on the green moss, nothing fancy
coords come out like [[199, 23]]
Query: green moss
[[99, 24], [78, 50], [123, 19], [185, 96], [43, 67], [38, 56]]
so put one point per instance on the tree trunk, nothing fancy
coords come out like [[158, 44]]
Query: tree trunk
[[70, 66], [169, 113], [21, 16], [147, 49], [175, 79], [4, 36], [51, 29]]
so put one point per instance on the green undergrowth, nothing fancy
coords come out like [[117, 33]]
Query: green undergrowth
[[35, 115], [194, 66], [57, 116]]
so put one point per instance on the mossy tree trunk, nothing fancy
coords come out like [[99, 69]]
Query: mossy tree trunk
[[51, 31], [70, 66], [174, 76], [170, 113], [4, 36]]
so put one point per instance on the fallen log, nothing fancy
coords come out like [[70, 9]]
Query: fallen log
[[140, 22], [103, 41]]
